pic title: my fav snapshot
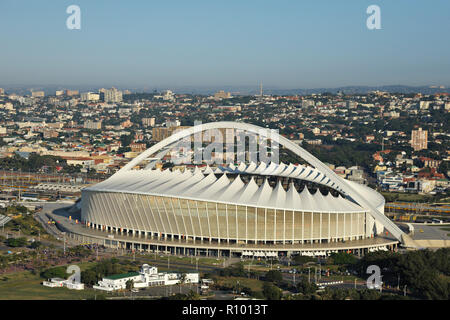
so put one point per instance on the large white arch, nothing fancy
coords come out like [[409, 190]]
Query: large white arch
[[346, 188]]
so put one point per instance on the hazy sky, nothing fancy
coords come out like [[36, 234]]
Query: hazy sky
[[288, 44]]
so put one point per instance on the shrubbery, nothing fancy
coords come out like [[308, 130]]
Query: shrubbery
[[16, 242], [57, 272], [343, 258], [424, 272]]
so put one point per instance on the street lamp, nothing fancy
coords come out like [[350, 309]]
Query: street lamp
[[309, 274], [64, 241]]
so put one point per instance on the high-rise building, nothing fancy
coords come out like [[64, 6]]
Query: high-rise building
[[59, 93], [173, 123], [113, 95], [148, 122], [424, 104], [222, 95], [168, 95], [37, 94], [419, 139], [90, 96], [72, 93], [2, 91], [92, 125], [161, 133]]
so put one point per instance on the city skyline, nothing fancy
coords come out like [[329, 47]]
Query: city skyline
[[285, 44]]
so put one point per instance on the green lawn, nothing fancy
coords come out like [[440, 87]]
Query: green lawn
[[253, 284], [26, 286], [201, 261]]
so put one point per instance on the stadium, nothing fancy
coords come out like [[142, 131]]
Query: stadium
[[244, 209]]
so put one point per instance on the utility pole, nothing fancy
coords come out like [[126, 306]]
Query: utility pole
[[64, 240], [320, 272], [309, 274], [355, 283], [294, 277], [404, 290], [398, 282], [20, 170], [168, 263]]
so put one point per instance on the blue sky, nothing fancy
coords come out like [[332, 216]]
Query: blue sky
[[284, 44]]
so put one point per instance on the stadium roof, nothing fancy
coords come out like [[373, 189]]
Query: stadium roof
[[205, 186]]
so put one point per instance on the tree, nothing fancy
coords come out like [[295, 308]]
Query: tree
[[274, 276], [35, 244], [129, 284], [16, 242], [89, 277], [343, 258], [271, 292], [305, 287], [57, 272], [444, 167]]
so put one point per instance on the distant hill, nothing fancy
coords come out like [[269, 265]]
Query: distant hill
[[242, 90]]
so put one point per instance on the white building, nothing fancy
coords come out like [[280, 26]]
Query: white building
[[167, 95], [147, 277], [113, 95], [58, 283], [54, 282], [90, 96]]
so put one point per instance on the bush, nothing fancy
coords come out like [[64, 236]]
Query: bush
[[57, 272], [271, 292], [301, 260], [35, 244], [343, 258], [274, 276], [305, 287], [237, 271], [16, 242]]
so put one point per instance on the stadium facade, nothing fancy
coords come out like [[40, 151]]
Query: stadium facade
[[242, 209]]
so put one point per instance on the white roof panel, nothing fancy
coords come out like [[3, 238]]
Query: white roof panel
[[195, 185]]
